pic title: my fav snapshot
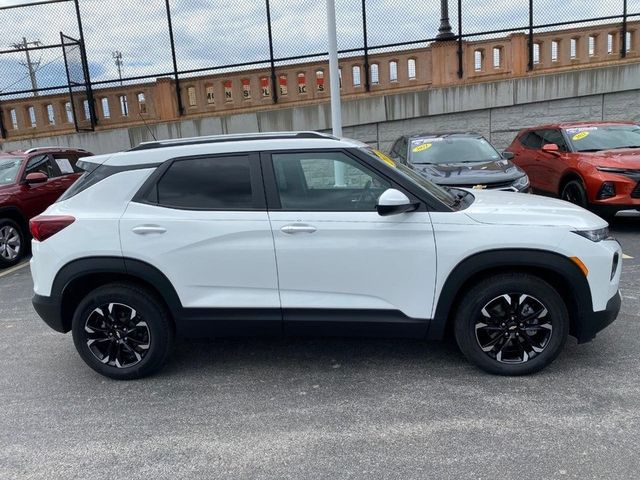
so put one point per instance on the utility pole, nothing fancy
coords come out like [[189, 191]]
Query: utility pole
[[31, 66], [117, 56]]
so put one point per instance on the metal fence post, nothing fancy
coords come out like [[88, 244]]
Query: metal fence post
[[175, 61], [274, 87], [530, 42], [3, 131], [367, 82], [460, 52], [623, 38], [85, 69]]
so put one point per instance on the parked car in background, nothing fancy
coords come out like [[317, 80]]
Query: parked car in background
[[464, 160], [30, 181], [298, 233], [594, 165]]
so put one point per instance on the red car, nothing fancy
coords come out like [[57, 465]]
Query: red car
[[30, 181], [595, 165]]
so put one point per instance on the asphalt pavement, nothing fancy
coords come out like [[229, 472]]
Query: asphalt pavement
[[319, 408]]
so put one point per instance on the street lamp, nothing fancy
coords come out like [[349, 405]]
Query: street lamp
[[444, 32]]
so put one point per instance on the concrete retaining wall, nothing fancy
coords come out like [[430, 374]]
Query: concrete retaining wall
[[497, 110]]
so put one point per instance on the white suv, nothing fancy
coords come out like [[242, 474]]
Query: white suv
[[304, 233]]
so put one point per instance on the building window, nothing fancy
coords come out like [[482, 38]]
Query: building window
[[246, 88], [574, 48], [282, 82], [106, 112], [211, 98], [51, 115], [320, 80], [142, 102], [228, 91], [69, 109], [340, 76], [32, 116], [536, 53], [628, 42], [375, 74], [355, 71], [302, 83], [393, 71], [124, 105], [592, 46], [265, 89], [191, 94], [411, 68], [554, 50], [478, 60], [497, 57], [87, 112], [610, 43], [14, 118]]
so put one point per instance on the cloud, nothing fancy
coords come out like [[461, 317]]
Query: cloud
[[211, 33]]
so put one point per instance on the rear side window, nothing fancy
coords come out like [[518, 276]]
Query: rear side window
[[207, 184]]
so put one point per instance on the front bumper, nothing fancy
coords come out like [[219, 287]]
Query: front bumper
[[50, 310], [593, 322]]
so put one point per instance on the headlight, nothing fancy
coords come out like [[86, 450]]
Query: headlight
[[521, 183], [595, 235], [616, 170]]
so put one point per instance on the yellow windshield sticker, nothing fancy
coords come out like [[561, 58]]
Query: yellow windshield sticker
[[384, 158], [422, 148], [580, 136]]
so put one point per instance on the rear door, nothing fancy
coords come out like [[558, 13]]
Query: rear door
[[202, 221], [342, 267]]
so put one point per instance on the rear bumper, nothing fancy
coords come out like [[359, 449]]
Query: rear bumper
[[49, 310], [594, 322]]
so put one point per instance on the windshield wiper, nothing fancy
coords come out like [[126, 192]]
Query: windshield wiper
[[626, 146], [591, 150]]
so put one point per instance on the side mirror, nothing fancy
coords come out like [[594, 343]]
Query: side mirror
[[393, 202], [550, 148], [35, 178], [508, 155]]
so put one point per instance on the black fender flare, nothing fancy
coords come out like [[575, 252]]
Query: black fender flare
[[500, 261]]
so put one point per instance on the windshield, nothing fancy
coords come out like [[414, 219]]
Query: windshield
[[436, 191], [9, 167], [607, 137], [451, 150]]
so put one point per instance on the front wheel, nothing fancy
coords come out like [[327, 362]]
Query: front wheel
[[12, 243], [513, 324], [575, 192], [122, 331]]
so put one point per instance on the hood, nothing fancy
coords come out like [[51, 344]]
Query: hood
[[486, 173], [628, 158], [508, 208]]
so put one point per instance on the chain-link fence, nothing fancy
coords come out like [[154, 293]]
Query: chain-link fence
[[124, 42]]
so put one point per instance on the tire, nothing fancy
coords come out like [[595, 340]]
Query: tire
[[12, 243], [575, 192], [509, 347], [131, 330]]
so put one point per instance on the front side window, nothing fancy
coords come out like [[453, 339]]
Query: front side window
[[41, 164], [207, 184], [326, 181], [554, 136]]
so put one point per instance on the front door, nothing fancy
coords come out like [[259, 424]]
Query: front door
[[204, 225], [342, 267]]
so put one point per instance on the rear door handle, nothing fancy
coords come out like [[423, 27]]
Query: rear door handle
[[149, 229], [299, 228]]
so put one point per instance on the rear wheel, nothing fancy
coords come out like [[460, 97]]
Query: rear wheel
[[12, 243], [512, 324], [575, 192], [122, 331]]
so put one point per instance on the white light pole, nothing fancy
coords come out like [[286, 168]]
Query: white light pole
[[334, 86]]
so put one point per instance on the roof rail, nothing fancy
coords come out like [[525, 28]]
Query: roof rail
[[52, 147], [35, 149], [245, 137]]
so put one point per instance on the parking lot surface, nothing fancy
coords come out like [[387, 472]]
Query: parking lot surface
[[319, 408]]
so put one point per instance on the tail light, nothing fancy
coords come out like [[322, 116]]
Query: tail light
[[45, 226]]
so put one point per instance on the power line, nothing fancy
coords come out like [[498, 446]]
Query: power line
[[40, 67]]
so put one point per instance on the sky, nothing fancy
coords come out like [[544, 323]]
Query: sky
[[222, 32]]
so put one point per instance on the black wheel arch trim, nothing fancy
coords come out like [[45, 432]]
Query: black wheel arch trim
[[524, 259]]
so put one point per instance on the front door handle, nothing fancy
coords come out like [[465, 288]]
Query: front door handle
[[149, 229], [298, 228]]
